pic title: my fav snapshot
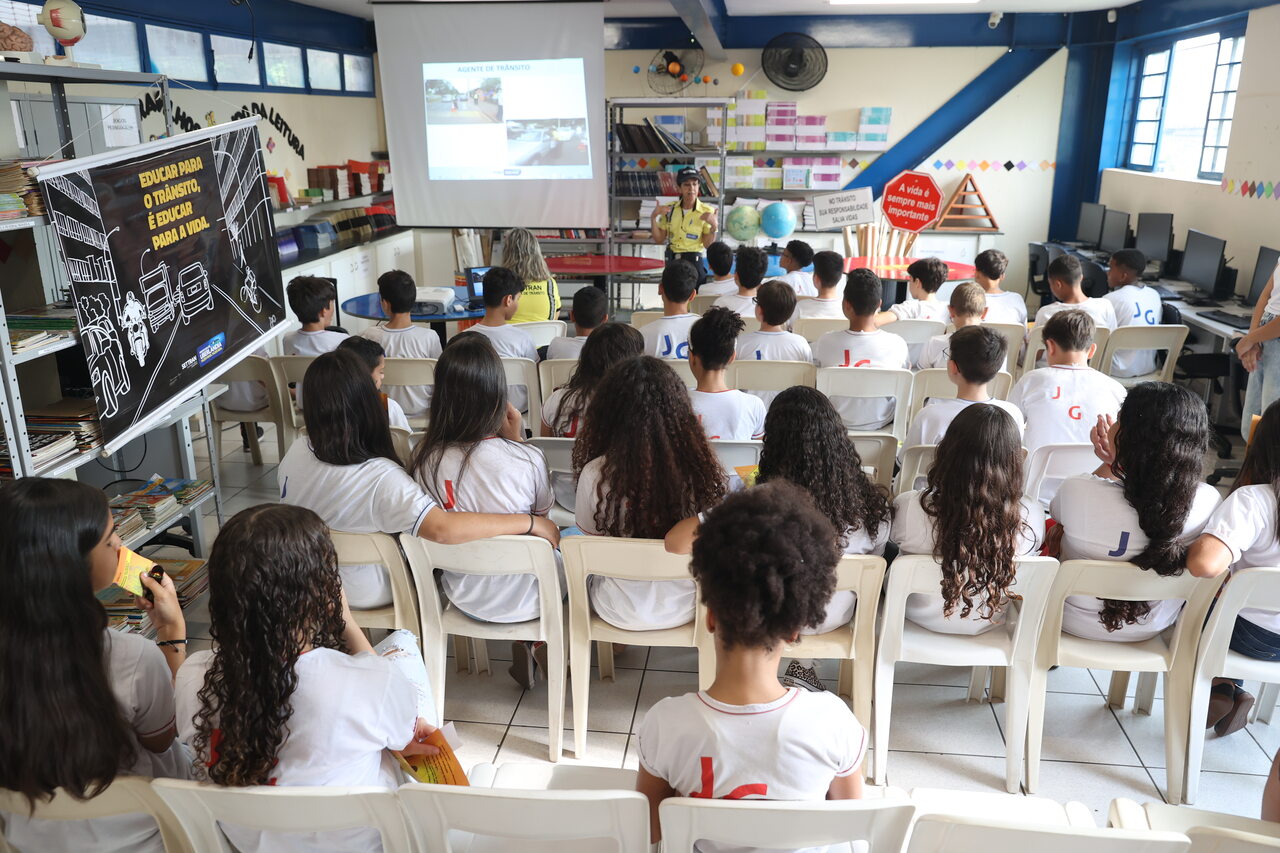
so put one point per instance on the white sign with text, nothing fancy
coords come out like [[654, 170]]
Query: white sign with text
[[848, 207]]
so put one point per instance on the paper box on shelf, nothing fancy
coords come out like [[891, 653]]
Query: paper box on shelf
[[795, 177], [841, 140]]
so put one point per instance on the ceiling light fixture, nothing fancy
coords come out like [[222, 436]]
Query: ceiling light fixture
[[902, 2]]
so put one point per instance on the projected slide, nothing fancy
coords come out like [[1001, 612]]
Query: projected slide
[[506, 120]]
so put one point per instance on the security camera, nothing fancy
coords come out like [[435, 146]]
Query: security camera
[[994, 20]]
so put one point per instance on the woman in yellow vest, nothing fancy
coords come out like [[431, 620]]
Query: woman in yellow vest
[[523, 256], [688, 227]]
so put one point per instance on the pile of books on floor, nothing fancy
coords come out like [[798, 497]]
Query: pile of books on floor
[[21, 340], [128, 522], [72, 416], [191, 577], [52, 318]]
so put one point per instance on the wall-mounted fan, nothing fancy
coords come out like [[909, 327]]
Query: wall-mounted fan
[[672, 70], [794, 61]]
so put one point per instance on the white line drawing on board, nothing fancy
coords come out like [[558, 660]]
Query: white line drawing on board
[[158, 294], [249, 290], [194, 291], [246, 209], [104, 354], [134, 320]]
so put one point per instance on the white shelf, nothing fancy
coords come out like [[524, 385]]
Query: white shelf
[[30, 72], [48, 349], [22, 222], [674, 103], [168, 520]]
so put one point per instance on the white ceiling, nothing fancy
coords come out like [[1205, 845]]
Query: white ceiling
[[612, 8]]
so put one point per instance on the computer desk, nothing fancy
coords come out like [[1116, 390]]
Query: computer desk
[[1208, 335]]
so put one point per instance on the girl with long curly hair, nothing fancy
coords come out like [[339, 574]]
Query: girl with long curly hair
[[81, 704], [606, 346], [643, 463], [973, 518], [292, 693], [1144, 504]]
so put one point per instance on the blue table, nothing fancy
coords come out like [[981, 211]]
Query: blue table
[[368, 306]]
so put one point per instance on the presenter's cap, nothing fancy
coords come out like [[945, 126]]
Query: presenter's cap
[[686, 174]]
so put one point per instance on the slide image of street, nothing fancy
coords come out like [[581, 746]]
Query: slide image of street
[[548, 142], [464, 100]]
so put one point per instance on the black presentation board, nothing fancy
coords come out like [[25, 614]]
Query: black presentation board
[[174, 268]]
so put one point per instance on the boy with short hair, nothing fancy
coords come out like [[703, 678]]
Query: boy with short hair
[[668, 336], [751, 265], [828, 277], [775, 303], [1066, 278], [375, 358], [312, 300], [723, 412], [862, 345], [1135, 304], [795, 257], [720, 261], [399, 337], [977, 355], [590, 310], [924, 277], [1002, 306], [502, 289], [764, 560], [968, 307]]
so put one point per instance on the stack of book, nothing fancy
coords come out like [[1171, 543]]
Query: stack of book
[[647, 138], [21, 340], [190, 577], [46, 317], [18, 194], [71, 416], [152, 507], [184, 491], [47, 448], [128, 521]]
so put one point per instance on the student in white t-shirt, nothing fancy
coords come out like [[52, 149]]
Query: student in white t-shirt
[[643, 463], [1062, 402], [828, 279], [371, 353], [564, 407], [924, 277], [400, 338], [502, 291], [765, 563], [347, 472], [720, 262], [312, 299], [668, 336], [293, 694], [1144, 504], [1135, 304], [795, 257], [862, 345], [1065, 280], [967, 307], [92, 704], [977, 354], [975, 485], [724, 412], [750, 266], [589, 312], [1002, 306], [775, 303]]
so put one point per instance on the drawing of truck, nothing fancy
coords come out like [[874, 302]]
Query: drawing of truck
[[194, 291], [158, 297]]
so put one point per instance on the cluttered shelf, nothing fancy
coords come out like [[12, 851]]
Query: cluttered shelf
[[29, 352], [141, 514], [308, 256]]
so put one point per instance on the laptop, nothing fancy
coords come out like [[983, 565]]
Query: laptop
[[475, 287]]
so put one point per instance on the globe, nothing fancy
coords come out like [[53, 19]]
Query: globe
[[743, 223], [778, 220]]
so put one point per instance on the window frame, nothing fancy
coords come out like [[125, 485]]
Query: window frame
[[1223, 69]]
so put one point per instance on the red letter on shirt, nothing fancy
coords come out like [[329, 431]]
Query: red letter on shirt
[[738, 793], [1074, 413], [1057, 393], [448, 494], [846, 359]]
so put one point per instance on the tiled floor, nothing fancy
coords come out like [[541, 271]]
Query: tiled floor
[[1092, 753]]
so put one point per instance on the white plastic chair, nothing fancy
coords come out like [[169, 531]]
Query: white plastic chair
[[400, 441], [1256, 588], [500, 555], [916, 462], [1035, 347], [559, 455], [199, 807], [812, 328], [882, 824], [1055, 462], [543, 332], [683, 371], [555, 373], [736, 454], [699, 304], [554, 821], [878, 451], [399, 372], [626, 559], [357, 549], [871, 382], [751, 375], [1127, 814], [1011, 645], [640, 319], [915, 332], [933, 382], [291, 369], [528, 776], [1168, 339], [523, 371], [278, 411], [957, 834], [1216, 839], [1014, 334], [989, 804], [1172, 652], [126, 795]]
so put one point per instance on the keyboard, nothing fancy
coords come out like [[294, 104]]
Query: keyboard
[[1164, 292], [1235, 321]]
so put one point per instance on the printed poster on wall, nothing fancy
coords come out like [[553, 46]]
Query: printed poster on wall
[[173, 265]]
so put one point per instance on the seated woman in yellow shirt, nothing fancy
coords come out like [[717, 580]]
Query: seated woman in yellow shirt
[[522, 255]]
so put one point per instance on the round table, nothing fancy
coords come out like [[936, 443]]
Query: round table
[[601, 268], [368, 306], [895, 268]]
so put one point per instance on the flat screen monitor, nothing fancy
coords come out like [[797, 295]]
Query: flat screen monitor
[[1202, 260], [475, 281], [1262, 272], [1155, 235], [1089, 231], [1115, 230]]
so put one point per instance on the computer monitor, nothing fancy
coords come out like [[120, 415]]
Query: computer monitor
[[1115, 230], [1155, 235], [1202, 260], [1089, 230], [475, 281], [1262, 272]]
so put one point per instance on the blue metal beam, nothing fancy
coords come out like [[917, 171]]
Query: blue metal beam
[[699, 19], [1152, 18], [961, 110], [1086, 92]]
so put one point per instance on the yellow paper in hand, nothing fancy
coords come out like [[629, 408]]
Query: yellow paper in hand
[[748, 474], [441, 769], [128, 568]]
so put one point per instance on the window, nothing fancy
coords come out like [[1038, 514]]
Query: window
[[177, 53], [359, 72], [23, 16], [109, 42], [231, 62], [1186, 135], [324, 69], [284, 65]]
